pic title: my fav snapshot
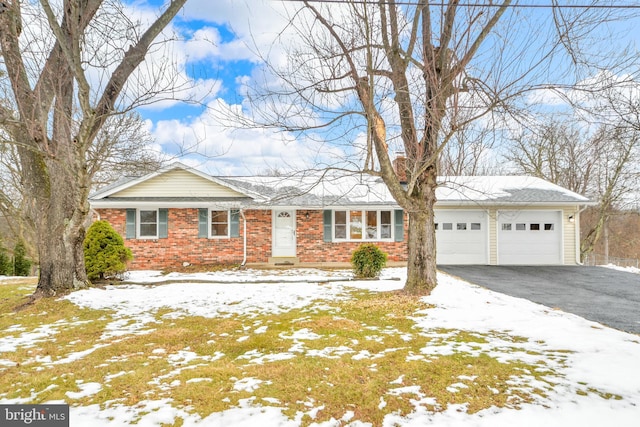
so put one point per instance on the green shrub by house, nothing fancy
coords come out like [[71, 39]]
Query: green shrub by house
[[368, 260], [105, 254], [21, 264]]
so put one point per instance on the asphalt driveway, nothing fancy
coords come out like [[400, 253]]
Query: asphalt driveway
[[604, 295]]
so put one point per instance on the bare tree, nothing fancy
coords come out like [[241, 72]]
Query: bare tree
[[600, 163], [559, 151], [409, 76], [55, 110], [615, 178], [397, 71], [471, 151], [121, 148]]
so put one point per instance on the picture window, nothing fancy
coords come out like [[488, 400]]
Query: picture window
[[362, 225]]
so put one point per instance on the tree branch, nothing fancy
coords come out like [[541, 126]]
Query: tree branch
[[132, 58]]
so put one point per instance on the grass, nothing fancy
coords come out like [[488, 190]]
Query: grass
[[364, 355]]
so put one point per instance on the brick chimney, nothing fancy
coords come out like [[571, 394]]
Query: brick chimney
[[400, 166]]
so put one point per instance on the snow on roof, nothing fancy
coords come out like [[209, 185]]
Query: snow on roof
[[504, 189], [316, 190], [370, 190]]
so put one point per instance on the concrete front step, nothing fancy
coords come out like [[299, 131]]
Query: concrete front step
[[284, 260]]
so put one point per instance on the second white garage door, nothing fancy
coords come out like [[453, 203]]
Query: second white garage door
[[529, 237], [461, 237]]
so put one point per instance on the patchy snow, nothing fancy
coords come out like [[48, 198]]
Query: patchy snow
[[86, 389], [587, 354], [635, 270]]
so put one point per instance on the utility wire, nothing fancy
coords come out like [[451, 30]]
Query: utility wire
[[489, 4]]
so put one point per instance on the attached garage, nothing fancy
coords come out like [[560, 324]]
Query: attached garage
[[529, 237], [462, 236]]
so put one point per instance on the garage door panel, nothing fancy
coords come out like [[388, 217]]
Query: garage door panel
[[461, 237], [529, 237]]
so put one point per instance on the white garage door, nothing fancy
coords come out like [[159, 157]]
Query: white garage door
[[461, 237], [529, 237]]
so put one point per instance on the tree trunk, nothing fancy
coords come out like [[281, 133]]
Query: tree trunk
[[58, 210], [421, 265]]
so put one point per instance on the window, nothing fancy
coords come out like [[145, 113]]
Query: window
[[534, 227], [548, 227], [385, 224], [341, 224], [521, 227], [219, 224], [476, 226], [362, 225], [506, 226], [216, 223], [371, 225], [355, 225], [436, 226], [148, 220], [461, 226], [447, 226]]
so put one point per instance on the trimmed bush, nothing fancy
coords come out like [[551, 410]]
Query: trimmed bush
[[368, 260], [105, 255], [21, 264]]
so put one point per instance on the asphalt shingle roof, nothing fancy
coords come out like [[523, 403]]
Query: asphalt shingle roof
[[329, 190]]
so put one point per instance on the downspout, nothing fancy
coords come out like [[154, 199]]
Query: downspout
[[244, 238], [576, 232]]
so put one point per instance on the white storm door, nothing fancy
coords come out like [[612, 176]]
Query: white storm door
[[284, 233]]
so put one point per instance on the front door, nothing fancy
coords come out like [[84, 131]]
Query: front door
[[284, 233]]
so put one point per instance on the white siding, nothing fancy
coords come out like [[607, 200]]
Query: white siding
[[177, 183]]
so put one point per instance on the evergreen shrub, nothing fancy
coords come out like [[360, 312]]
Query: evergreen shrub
[[105, 255], [368, 260], [21, 264], [6, 267]]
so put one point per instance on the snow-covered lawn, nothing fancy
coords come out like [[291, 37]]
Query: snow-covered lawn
[[593, 371]]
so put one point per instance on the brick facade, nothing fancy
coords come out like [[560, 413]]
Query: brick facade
[[312, 248], [183, 245]]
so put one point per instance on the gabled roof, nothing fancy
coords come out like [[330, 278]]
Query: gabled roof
[[130, 182], [331, 190]]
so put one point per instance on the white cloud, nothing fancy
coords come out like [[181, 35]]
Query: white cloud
[[550, 97], [205, 142]]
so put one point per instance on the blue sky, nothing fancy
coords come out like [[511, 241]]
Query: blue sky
[[217, 56]]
